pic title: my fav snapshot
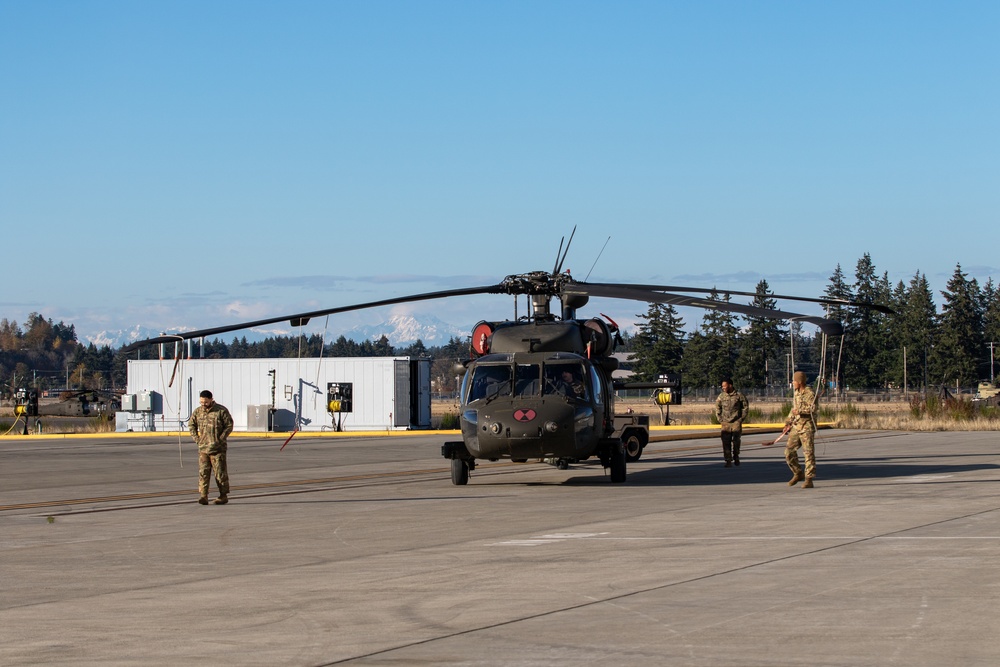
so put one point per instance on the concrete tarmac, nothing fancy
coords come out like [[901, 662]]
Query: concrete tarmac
[[360, 551]]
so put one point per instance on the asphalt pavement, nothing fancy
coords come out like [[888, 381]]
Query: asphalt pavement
[[348, 550]]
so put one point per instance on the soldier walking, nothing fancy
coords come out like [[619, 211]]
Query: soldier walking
[[210, 426], [731, 408], [802, 424]]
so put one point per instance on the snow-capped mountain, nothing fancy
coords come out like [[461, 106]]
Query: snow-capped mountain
[[402, 330], [120, 337]]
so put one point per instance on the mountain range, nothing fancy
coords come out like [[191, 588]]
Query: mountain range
[[401, 330]]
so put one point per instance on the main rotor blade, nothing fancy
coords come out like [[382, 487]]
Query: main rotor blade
[[702, 290], [300, 319], [636, 293]]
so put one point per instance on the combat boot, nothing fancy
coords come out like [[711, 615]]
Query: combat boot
[[222, 500], [796, 478], [808, 484], [203, 500]]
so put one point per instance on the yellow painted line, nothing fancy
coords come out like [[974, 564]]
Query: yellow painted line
[[749, 429], [239, 434]]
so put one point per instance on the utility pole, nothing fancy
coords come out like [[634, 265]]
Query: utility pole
[[906, 394], [791, 355], [991, 344]]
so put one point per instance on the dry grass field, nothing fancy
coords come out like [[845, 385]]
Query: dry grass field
[[917, 415], [933, 415]]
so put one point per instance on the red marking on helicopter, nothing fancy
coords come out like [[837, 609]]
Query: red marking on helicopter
[[524, 415]]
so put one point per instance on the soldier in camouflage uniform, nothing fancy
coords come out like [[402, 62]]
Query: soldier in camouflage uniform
[[731, 409], [210, 426], [802, 424]]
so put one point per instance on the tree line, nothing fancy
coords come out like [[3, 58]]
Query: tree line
[[46, 354], [916, 345]]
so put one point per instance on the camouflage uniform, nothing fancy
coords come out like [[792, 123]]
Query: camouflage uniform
[[803, 429], [210, 427], [730, 410]]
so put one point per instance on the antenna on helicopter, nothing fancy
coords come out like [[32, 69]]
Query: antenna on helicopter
[[560, 260], [595, 260]]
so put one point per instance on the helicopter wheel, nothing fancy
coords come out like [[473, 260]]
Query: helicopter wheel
[[633, 447], [459, 472], [618, 464], [562, 464]]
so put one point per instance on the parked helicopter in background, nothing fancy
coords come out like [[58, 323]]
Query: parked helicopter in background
[[30, 406], [540, 385]]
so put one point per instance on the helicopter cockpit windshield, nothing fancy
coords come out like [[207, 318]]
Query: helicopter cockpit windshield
[[490, 381], [566, 379]]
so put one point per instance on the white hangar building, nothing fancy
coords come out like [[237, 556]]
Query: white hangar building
[[382, 393]]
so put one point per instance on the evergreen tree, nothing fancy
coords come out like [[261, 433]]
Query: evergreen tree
[[914, 327], [720, 327], [991, 325], [343, 347], [98, 363], [762, 344], [238, 348], [809, 354], [960, 343], [455, 349], [697, 361], [894, 332], [659, 343], [864, 353], [710, 354], [838, 289], [382, 348], [415, 350], [888, 355]]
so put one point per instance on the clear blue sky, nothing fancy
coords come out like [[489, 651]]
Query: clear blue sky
[[171, 164]]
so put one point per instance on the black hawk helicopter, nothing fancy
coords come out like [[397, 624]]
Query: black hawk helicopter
[[540, 386]]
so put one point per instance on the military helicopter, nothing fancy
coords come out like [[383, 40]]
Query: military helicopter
[[539, 386], [77, 403]]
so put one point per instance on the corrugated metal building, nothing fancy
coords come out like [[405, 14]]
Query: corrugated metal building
[[280, 394]]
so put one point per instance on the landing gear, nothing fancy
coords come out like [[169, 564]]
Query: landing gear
[[459, 472], [617, 464], [461, 462], [612, 455]]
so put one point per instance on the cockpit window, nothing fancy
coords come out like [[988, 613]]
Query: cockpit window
[[489, 382], [595, 379], [567, 380], [528, 380]]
